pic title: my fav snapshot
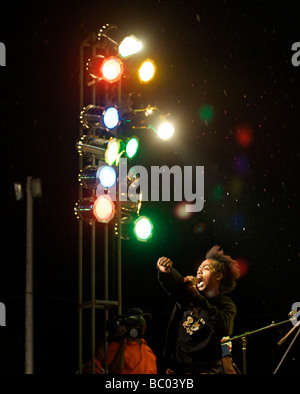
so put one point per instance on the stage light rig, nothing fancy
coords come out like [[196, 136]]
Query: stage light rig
[[105, 60]]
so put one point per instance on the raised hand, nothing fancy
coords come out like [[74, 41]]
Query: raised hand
[[164, 264]]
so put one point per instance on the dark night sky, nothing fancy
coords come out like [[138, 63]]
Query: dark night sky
[[231, 57]]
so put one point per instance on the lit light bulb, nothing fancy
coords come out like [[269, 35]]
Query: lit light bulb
[[147, 71], [111, 69], [104, 209], [165, 131], [107, 176], [143, 228], [132, 147], [112, 151], [111, 117], [129, 46]]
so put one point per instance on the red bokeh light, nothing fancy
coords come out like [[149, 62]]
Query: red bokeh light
[[243, 266], [244, 136]]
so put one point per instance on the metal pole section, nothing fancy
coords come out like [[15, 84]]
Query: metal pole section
[[119, 261], [93, 294], [244, 346], [106, 275], [29, 280], [80, 227], [288, 349], [106, 261], [119, 240], [106, 290], [106, 236], [93, 254], [244, 340], [80, 248]]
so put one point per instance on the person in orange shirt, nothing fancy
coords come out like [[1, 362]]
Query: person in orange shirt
[[129, 352], [87, 369]]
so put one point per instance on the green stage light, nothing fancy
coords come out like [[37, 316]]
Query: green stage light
[[143, 228], [132, 147]]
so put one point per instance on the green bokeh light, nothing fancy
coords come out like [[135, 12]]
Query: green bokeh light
[[206, 113]]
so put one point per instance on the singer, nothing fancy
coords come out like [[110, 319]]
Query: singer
[[203, 314]]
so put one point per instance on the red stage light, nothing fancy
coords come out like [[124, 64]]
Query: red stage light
[[111, 69], [104, 209]]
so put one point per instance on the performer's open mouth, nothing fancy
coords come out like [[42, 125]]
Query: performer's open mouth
[[200, 283]]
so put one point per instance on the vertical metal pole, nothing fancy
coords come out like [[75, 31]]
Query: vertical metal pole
[[80, 227], [119, 240], [119, 260], [106, 275], [93, 251], [106, 261], [106, 290], [244, 345], [29, 280], [93, 294], [80, 250]]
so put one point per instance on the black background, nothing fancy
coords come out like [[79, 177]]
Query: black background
[[232, 56]]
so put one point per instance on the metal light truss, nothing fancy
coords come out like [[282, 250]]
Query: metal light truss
[[88, 91]]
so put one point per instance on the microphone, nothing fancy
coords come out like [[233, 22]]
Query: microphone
[[189, 279], [190, 284]]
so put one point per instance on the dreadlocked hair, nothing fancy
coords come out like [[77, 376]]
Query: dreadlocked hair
[[227, 266]]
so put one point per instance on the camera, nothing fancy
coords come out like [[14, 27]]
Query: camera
[[133, 321]]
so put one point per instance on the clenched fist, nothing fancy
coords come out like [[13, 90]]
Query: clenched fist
[[164, 264]]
